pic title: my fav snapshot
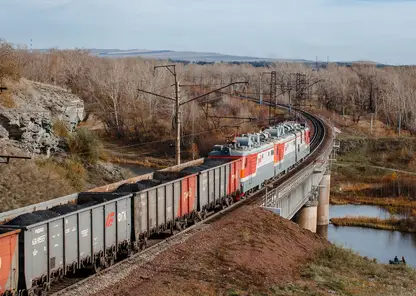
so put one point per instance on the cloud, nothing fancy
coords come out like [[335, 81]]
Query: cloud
[[379, 30]]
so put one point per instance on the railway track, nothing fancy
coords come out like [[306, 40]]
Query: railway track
[[81, 283]]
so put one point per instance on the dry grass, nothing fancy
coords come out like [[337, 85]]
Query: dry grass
[[76, 173], [85, 145], [6, 100], [405, 225], [399, 202], [338, 271], [144, 161], [25, 182], [60, 130], [70, 169]]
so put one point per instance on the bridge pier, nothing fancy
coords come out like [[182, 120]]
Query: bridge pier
[[323, 231], [323, 200], [307, 216]]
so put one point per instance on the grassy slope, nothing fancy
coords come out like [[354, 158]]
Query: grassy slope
[[337, 271]]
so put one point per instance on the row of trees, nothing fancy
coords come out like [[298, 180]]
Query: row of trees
[[109, 88]]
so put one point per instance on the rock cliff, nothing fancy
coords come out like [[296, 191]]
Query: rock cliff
[[29, 109]]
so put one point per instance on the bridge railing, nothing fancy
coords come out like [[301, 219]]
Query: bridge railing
[[280, 196]]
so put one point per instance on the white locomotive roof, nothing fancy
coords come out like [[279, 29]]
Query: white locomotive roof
[[251, 143]]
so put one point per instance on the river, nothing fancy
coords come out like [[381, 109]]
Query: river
[[373, 243]]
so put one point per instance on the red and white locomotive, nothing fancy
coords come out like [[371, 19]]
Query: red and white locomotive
[[267, 154]]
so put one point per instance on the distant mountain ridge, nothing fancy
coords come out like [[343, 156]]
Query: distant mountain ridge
[[190, 56], [206, 57]]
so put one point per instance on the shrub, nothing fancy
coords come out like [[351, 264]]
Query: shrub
[[6, 100], [85, 145], [75, 173], [9, 66], [60, 130]]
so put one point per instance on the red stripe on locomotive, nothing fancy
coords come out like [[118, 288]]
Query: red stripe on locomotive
[[234, 177], [250, 165]]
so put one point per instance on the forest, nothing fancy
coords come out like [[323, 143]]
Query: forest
[[109, 88]]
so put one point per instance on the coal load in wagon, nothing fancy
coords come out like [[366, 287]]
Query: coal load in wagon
[[169, 176], [65, 209], [32, 218], [97, 197], [138, 186], [208, 164]]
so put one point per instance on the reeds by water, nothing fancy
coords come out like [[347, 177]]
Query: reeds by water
[[405, 225]]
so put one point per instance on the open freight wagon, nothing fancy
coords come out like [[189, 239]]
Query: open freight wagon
[[173, 200], [63, 239]]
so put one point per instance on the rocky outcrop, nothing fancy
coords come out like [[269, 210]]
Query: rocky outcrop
[[37, 107]]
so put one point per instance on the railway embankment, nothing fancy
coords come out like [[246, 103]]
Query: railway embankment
[[251, 251]]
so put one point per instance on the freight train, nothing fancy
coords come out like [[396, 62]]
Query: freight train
[[39, 248]]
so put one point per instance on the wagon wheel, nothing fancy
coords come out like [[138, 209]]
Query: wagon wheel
[[227, 201], [143, 244], [130, 252], [46, 287], [60, 274], [74, 268], [222, 205], [96, 266], [199, 216], [204, 214], [111, 260], [178, 226]]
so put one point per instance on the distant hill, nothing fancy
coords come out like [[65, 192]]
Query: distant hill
[[190, 56], [209, 57]]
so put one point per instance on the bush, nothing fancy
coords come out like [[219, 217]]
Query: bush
[[9, 66], [60, 130], [75, 173], [6, 100], [85, 145]]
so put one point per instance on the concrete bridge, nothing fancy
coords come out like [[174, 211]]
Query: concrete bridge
[[304, 197]]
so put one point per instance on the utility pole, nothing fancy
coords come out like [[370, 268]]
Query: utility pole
[[172, 70], [193, 133], [273, 96], [178, 104], [178, 124], [261, 86]]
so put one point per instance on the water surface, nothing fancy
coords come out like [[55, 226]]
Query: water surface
[[360, 210], [373, 243]]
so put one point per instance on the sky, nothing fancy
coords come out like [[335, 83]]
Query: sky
[[343, 30]]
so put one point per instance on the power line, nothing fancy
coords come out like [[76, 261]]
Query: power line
[[178, 104]]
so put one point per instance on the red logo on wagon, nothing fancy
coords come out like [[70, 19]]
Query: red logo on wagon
[[110, 219]]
